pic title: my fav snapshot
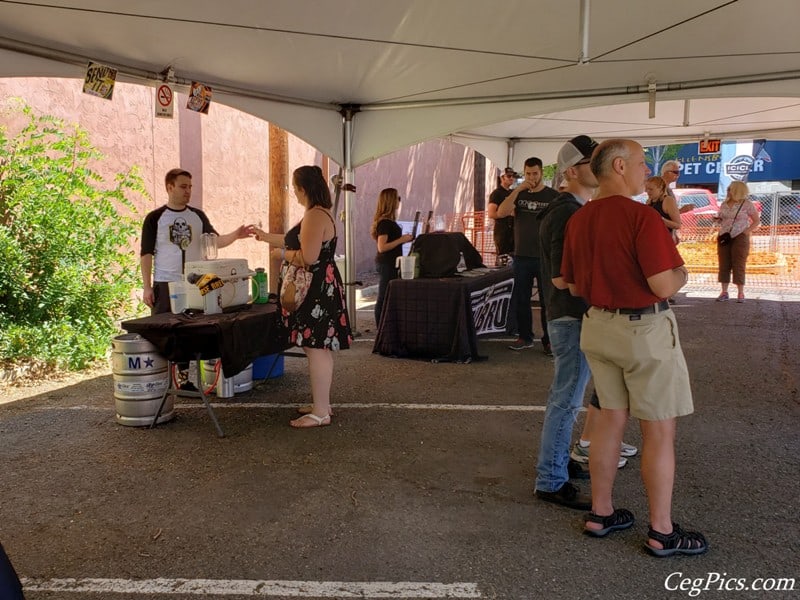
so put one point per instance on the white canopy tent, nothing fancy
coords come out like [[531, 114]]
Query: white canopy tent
[[358, 79]]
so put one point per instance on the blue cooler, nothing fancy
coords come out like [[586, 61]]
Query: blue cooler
[[269, 366]]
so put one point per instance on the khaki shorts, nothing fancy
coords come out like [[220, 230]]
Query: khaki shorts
[[637, 363]]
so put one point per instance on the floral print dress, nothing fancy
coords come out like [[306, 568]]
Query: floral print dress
[[321, 321]]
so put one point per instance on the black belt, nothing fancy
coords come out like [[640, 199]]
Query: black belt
[[647, 310]]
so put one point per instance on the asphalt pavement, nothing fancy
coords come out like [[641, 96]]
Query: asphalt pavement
[[421, 488]]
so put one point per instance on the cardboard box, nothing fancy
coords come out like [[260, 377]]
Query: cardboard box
[[233, 271]]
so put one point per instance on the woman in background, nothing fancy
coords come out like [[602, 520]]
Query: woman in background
[[666, 205], [739, 217], [390, 239], [320, 324]]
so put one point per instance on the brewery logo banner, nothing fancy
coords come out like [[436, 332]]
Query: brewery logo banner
[[490, 307], [99, 80]]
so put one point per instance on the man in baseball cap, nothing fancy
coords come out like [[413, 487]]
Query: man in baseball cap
[[576, 151]]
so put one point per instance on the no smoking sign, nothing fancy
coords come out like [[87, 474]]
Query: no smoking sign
[[164, 98]]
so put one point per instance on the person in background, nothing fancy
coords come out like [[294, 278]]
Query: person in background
[[660, 197], [739, 217], [503, 233], [170, 237], [320, 325], [564, 311], [620, 259], [525, 202], [670, 172], [390, 239], [664, 203]]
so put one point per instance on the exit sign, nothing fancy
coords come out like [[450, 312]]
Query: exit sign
[[709, 146]]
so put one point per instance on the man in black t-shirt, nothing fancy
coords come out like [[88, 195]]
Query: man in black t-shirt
[[525, 203], [503, 227]]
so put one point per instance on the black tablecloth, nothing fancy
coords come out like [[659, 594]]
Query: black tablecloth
[[237, 337], [432, 318]]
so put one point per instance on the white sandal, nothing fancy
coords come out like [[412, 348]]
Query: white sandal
[[318, 421]]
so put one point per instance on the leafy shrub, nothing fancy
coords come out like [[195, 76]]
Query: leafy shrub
[[66, 271]]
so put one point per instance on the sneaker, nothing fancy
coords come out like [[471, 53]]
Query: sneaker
[[628, 450], [548, 351], [576, 470], [521, 344], [567, 495], [581, 454], [740, 299], [723, 297], [188, 386]]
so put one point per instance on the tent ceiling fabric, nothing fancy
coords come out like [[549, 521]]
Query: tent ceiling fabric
[[480, 71]]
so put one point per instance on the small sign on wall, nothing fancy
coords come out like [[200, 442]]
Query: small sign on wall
[[164, 101], [199, 98], [99, 80]]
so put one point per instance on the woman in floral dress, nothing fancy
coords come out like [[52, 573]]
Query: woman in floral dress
[[320, 325]]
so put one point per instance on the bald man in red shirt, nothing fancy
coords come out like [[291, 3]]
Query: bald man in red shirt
[[619, 257]]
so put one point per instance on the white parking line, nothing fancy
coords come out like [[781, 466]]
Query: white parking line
[[265, 588], [465, 407]]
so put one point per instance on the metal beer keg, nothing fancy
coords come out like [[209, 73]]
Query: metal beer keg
[[141, 376]]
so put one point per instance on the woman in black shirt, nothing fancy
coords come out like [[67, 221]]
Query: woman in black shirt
[[390, 239]]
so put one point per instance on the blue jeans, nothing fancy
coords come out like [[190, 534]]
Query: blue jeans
[[526, 269], [386, 273], [564, 400]]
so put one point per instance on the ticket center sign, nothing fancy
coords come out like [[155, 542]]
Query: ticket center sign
[[164, 101]]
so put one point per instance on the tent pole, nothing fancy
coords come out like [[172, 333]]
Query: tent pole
[[348, 112], [584, 27], [511, 143]]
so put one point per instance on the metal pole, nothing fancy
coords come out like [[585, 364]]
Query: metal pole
[[584, 27], [511, 143], [348, 112]]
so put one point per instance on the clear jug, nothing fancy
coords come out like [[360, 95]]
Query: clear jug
[[209, 246], [407, 266]]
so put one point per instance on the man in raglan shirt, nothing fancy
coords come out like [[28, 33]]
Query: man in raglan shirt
[[171, 236]]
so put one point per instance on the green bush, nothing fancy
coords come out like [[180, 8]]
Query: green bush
[[66, 271]]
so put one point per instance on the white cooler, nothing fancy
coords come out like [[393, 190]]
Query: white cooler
[[233, 271]]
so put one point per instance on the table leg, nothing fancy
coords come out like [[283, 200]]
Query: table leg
[[163, 400], [201, 393]]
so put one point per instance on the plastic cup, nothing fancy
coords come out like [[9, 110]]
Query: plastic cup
[[407, 267], [177, 296]]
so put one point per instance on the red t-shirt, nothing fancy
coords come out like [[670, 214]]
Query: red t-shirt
[[612, 245]]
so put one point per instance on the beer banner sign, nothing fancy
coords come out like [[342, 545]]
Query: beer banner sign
[[490, 307], [199, 97], [99, 80]]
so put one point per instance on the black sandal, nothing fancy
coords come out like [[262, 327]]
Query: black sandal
[[677, 542], [619, 519]]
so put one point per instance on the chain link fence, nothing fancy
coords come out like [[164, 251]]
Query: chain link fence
[[773, 268]]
